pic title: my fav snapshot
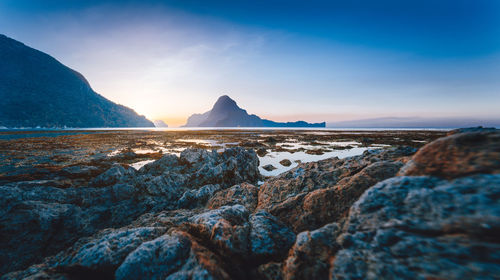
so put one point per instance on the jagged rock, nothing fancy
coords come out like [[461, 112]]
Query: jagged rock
[[286, 162], [192, 156], [226, 228], [307, 177], [269, 238], [244, 194], [166, 163], [38, 221], [358, 224], [423, 228], [310, 256], [32, 227], [234, 232], [310, 210], [103, 255], [113, 175], [172, 256], [197, 197], [458, 155]]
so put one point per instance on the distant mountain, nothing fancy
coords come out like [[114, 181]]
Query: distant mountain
[[160, 123], [37, 90], [226, 113], [414, 122]]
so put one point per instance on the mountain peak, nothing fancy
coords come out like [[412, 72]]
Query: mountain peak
[[226, 113], [225, 103]]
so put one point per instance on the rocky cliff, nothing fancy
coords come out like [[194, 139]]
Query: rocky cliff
[[393, 213], [37, 90]]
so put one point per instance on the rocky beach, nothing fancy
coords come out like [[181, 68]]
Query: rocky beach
[[419, 205]]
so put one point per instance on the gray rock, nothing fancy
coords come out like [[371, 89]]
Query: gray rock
[[244, 194], [155, 259], [33, 227], [166, 163], [197, 197], [225, 228], [269, 238], [421, 228], [171, 256], [310, 256], [108, 251], [115, 174], [192, 156]]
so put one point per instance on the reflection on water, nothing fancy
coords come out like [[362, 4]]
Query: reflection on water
[[274, 159], [290, 149]]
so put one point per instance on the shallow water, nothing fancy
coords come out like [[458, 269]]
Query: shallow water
[[139, 164], [274, 159]]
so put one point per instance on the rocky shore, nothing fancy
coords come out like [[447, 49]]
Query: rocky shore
[[392, 213]]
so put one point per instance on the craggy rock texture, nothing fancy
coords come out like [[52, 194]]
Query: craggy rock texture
[[233, 231], [244, 194], [423, 228], [197, 197], [312, 253], [352, 218], [172, 256], [458, 155], [39, 221], [314, 194]]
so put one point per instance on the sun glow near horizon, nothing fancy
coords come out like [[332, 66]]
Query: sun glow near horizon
[[168, 60]]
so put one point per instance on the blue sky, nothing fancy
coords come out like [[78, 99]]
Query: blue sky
[[285, 60]]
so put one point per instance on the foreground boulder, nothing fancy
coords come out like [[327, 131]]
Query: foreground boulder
[[39, 221], [457, 155], [236, 233], [423, 228], [172, 256]]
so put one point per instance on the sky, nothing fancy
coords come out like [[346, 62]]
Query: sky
[[283, 60]]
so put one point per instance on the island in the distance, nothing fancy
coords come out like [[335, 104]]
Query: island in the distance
[[226, 113]]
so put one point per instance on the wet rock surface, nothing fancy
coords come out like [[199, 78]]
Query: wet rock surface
[[393, 213]]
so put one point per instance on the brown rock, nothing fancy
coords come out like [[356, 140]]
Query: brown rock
[[310, 256], [261, 152], [319, 207], [269, 167], [286, 162], [457, 155], [244, 194], [307, 177]]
